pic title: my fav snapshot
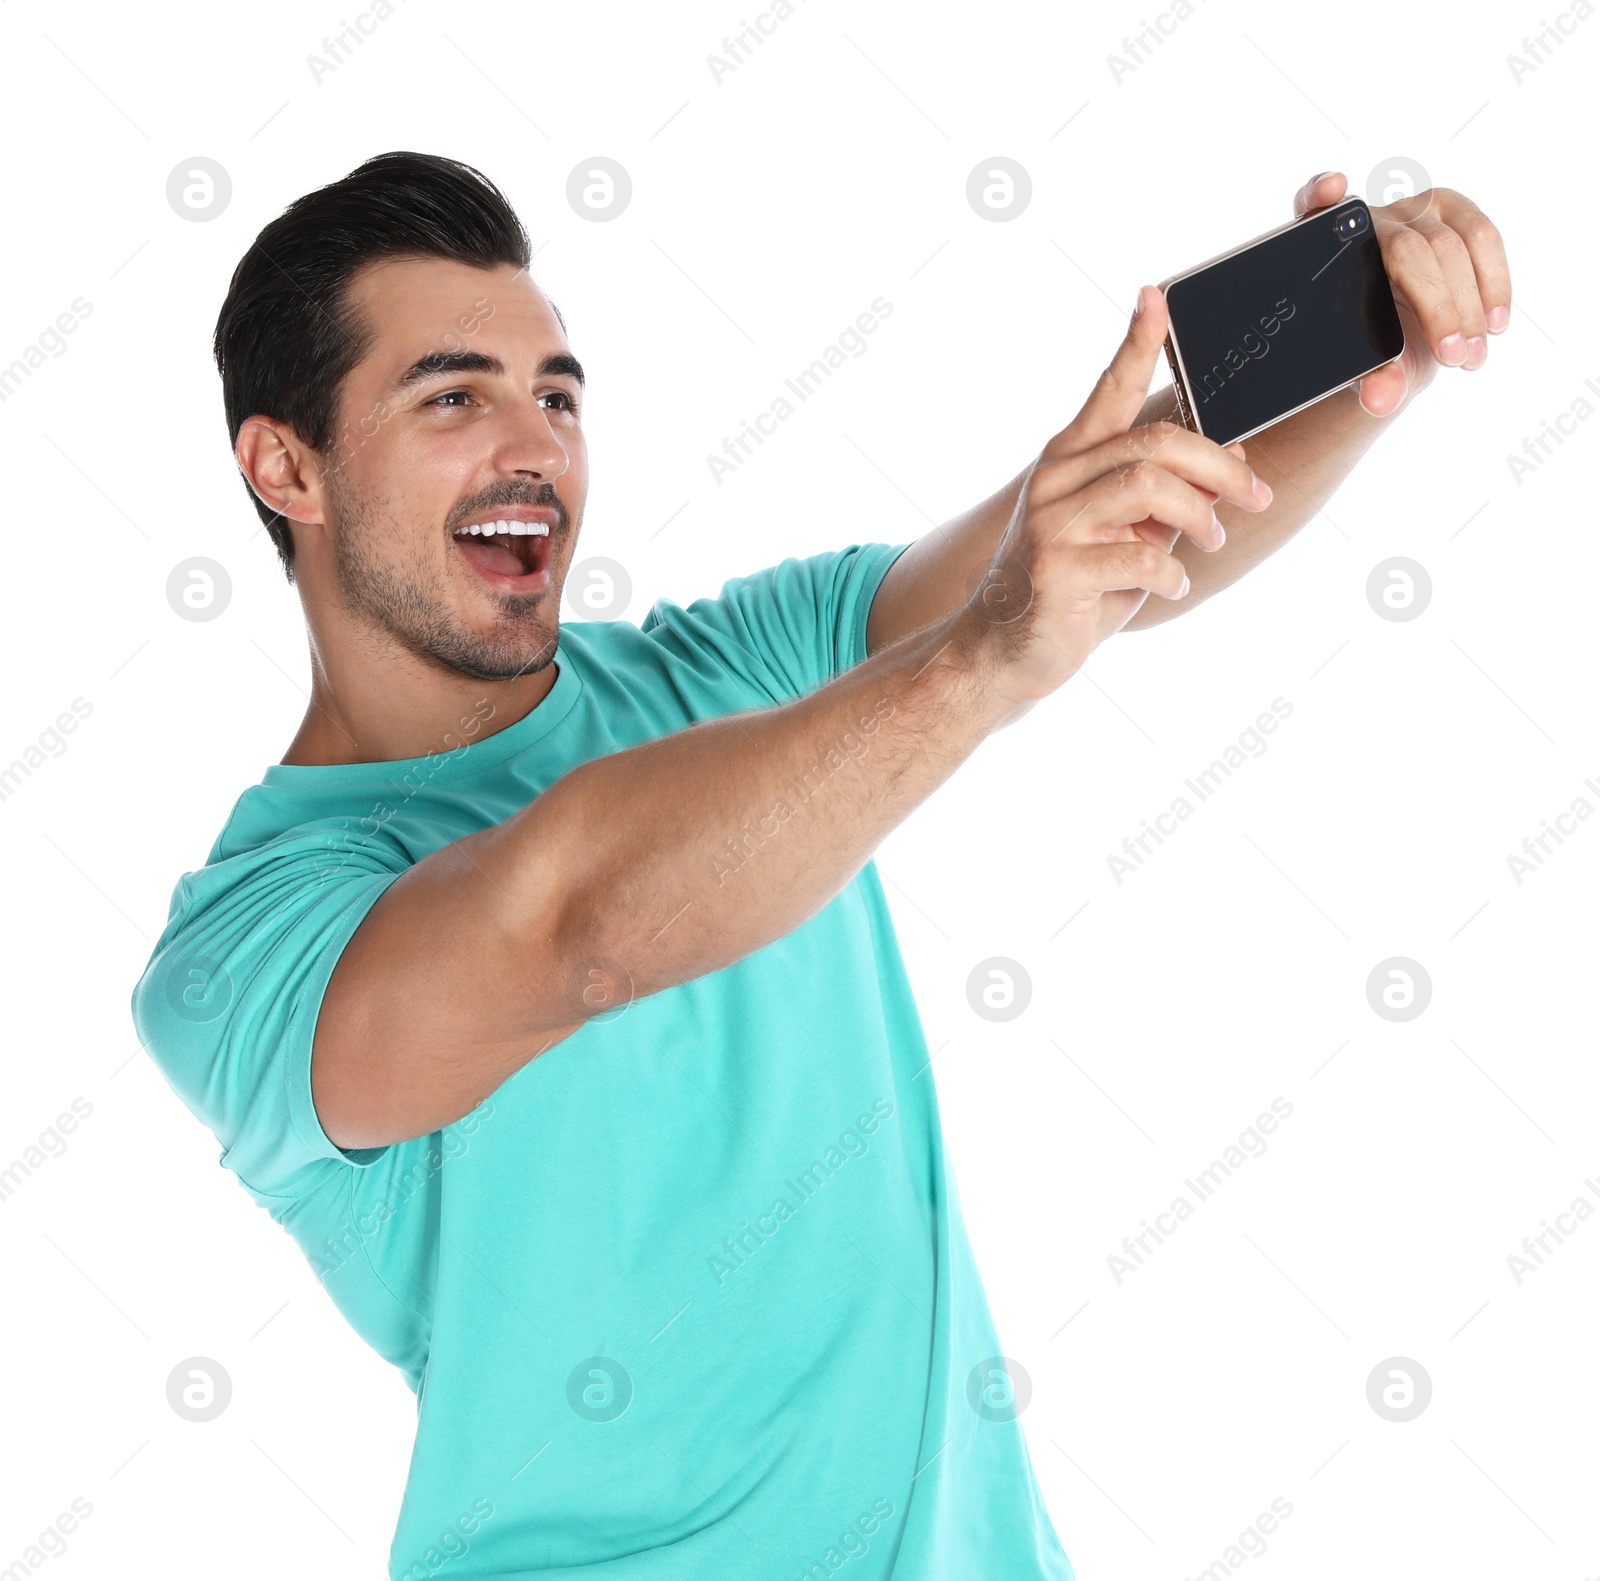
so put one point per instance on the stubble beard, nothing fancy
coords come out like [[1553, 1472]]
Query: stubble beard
[[408, 604]]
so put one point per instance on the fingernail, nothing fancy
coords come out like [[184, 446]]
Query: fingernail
[[1477, 352], [1499, 317], [1138, 307], [1259, 490], [1453, 350], [1219, 534], [1182, 591]]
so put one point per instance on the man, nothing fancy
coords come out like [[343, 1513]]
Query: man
[[546, 991]]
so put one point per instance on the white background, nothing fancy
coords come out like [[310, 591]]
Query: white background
[[768, 210]]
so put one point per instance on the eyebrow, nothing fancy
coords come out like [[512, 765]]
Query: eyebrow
[[437, 364]]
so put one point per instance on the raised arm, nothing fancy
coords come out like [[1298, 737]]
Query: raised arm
[[938, 572], [1448, 268], [617, 881]]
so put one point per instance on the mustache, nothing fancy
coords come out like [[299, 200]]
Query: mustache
[[540, 499]]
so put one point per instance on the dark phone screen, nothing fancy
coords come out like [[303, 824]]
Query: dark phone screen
[[1283, 323]]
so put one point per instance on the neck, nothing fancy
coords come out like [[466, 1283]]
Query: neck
[[406, 707]]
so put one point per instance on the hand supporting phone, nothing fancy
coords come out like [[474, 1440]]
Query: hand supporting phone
[[1280, 322]]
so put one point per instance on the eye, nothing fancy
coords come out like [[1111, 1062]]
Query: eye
[[439, 400], [561, 395]]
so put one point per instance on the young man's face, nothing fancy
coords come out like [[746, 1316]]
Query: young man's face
[[464, 411]]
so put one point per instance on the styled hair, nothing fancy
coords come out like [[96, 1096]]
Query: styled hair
[[287, 336]]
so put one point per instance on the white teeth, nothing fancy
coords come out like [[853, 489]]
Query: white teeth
[[514, 529]]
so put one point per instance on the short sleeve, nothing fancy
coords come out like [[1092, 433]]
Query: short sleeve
[[227, 1006], [792, 627]]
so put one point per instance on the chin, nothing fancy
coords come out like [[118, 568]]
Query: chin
[[495, 655]]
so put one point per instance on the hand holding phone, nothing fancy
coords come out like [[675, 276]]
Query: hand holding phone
[[1276, 324]]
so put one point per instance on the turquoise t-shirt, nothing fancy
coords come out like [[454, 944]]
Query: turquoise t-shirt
[[689, 1296]]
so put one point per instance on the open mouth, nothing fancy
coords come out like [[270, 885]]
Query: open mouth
[[511, 555]]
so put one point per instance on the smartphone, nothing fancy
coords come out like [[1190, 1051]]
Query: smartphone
[[1280, 322]]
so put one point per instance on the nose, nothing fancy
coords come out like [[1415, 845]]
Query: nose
[[531, 445]]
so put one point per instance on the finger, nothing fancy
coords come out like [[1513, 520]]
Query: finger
[[1114, 403], [1201, 462], [1415, 271], [1461, 280], [1108, 509], [1094, 569], [1319, 193], [1115, 610], [1487, 252], [1158, 533], [1383, 389]]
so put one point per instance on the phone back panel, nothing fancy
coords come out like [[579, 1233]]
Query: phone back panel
[[1282, 323]]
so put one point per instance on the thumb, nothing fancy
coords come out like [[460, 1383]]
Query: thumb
[[1320, 192], [1120, 391]]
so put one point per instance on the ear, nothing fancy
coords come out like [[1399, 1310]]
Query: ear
[[281, 468]]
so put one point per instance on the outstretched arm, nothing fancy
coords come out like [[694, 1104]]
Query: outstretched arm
[[1448, 268], [615, 882]]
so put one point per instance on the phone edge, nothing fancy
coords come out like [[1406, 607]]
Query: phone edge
[[1266, 236]]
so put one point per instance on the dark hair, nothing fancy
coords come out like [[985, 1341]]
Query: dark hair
[[286, 336]]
